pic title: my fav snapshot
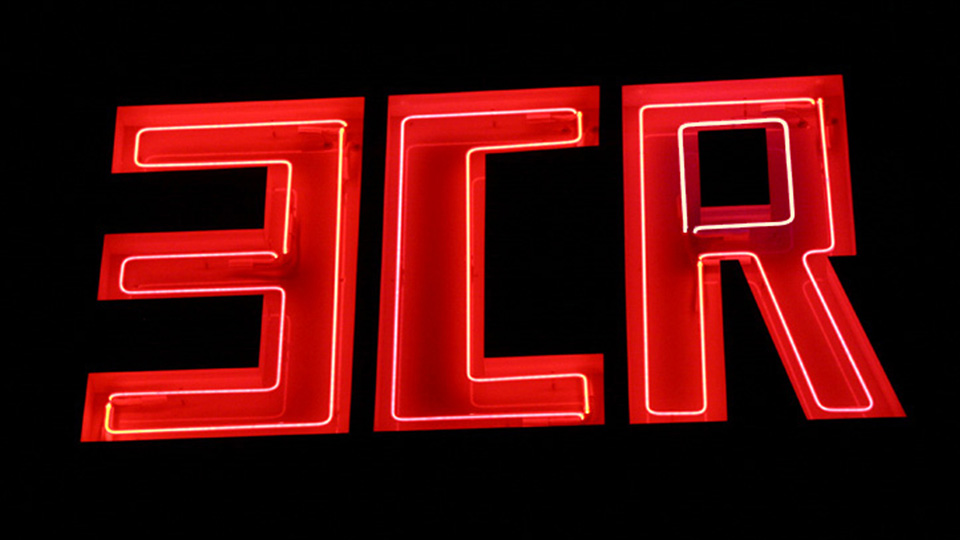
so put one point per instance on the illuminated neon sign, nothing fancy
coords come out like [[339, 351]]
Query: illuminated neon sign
[[432, 370], [303, 263], [674, 245]]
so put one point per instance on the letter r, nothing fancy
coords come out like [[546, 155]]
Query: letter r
[[674, 244]]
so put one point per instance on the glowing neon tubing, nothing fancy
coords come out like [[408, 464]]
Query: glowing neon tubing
[[270, 361]]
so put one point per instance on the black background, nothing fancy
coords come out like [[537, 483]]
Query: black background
[[555, 273]]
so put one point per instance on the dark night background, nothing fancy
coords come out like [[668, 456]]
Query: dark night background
[[555, 283]]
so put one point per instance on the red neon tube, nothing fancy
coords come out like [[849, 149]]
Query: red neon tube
[[303, 264], [433, 373], [674, 245]]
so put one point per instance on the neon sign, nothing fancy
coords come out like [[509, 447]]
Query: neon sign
[[303, 263], [432, 370], [674, 245]]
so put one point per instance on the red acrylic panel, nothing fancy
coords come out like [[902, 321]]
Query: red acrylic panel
[[674, 245], [302, 263], [432, 372]]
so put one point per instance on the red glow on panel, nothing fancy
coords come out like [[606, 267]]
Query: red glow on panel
[[303, 264], [674, 245], [432, 372]]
